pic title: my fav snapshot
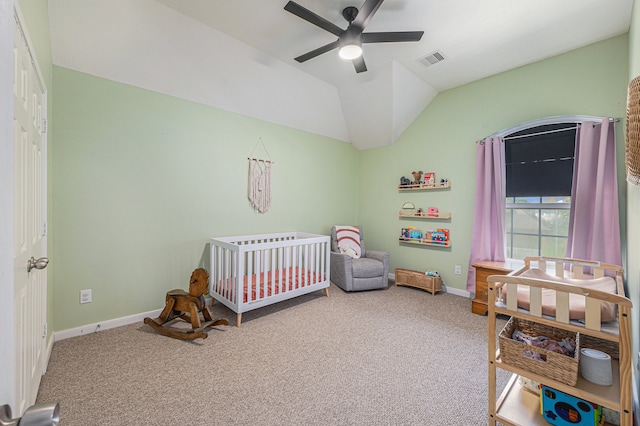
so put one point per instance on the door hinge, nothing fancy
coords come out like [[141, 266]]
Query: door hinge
[[44, 125], [44, 229], [44, 331]]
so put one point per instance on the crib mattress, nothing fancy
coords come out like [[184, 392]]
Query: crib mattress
[[576, 302], [270, 283]]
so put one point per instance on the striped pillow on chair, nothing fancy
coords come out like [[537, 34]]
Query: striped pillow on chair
[[349, 241]]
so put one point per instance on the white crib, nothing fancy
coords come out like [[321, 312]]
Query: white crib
[[252, 271]]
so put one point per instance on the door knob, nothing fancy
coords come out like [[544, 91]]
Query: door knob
[[38, 264]]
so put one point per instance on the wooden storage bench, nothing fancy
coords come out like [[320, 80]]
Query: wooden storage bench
[[419, 280]]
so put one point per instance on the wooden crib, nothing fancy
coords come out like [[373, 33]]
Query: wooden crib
[[578, 296], [252, 271]]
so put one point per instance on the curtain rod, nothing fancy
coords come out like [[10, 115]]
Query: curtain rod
[[549, 120], [576, 127]]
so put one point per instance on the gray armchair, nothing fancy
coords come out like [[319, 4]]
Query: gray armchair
[[370, 271]]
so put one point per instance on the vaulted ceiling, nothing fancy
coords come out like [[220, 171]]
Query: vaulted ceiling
[[238, 55]]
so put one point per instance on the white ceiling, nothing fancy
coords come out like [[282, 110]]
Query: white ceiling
[[238, 54]]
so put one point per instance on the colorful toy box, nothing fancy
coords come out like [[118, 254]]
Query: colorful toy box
[[561, 409]]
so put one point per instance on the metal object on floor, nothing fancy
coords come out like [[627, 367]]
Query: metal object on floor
[[45, 414]]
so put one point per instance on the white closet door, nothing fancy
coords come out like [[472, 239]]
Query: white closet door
[[29, 223]]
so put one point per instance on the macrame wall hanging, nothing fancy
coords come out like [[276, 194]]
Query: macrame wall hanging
[[260, 180], [632, 147]]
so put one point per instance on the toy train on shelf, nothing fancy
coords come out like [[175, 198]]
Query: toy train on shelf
[[430, 236]]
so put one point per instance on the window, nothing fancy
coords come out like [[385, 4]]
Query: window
[[537, 226], [539, 174]]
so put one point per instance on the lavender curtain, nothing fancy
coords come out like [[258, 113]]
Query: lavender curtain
[[487, 238], [594, 226]]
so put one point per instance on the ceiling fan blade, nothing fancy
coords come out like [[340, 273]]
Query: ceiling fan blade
[[366, 12], [359, 64], [317, 52], [392, 37], [311, 17]]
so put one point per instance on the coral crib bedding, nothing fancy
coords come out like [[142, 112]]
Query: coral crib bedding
[[292, 278]]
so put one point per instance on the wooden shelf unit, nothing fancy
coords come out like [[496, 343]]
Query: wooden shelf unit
[[424, 186], [421, 243], [517, 406], [424, 215], [441, 216]]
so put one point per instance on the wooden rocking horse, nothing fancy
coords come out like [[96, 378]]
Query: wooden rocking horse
[[187, 306]]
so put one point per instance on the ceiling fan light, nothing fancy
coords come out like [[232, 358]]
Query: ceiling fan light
[[349, 52]]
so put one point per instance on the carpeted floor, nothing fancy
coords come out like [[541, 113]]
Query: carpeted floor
[[398, 356]]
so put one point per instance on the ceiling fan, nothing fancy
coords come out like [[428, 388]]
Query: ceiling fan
[[350, 40]]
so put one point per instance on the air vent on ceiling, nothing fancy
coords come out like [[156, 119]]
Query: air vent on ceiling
[[431, 59]]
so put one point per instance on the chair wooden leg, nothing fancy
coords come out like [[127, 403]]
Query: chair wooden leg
[[326, 291], [238, 319]]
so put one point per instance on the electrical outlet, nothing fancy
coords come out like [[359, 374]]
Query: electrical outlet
[[85, 296], [458, 269]]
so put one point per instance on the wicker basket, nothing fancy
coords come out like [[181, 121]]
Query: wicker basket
[[632, 147], [606, 346], [556, 366]]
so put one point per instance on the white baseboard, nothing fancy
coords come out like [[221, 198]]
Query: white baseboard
[[105, 325], [457, 291]]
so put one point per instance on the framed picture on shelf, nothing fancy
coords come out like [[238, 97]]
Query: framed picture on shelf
[[430, 178]]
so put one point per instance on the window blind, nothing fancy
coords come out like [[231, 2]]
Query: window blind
[[540, 163]]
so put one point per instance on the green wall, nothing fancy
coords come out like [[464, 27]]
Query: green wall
[[588, 81], [142, 180]]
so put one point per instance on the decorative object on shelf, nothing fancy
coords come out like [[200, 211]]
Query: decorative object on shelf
[[432, 211], [259, 191], [405, 181], [595, 366], [420, 212], [439, 237], [559, 408], [430, 178], [418, 186], [416, 177], [432, 273], [409, 207], [444, 180]]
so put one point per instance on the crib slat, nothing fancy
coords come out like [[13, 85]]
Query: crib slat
[[559, 269], [299, 265], [251, 258], [280, 283], [535, 301], [272, 272], [562, 307], [578, 272], [512, 297], [288, 266], [592, 314], [598, 272]]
